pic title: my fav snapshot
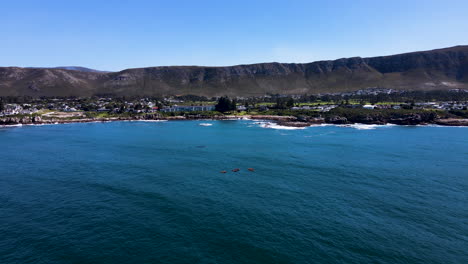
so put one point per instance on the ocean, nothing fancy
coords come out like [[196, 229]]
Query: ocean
[[153, 192]]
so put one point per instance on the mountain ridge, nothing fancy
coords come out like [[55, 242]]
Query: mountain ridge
[[445, 68], [71, 68], [79, 68]]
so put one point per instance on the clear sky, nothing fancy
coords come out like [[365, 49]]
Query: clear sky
[[114, 35]]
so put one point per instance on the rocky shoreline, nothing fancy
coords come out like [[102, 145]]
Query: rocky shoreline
[[290, 121], [37, 120]]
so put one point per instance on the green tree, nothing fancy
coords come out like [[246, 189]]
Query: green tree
[[290, 102], [280, 103], [225, 104], [2, 106], [283, 103], [234, 104]]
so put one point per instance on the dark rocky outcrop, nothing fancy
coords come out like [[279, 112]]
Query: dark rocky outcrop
[[452, 122], [336, 120], [14, 120]]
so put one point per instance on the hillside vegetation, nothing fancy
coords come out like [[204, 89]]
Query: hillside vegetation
[[441, 69]]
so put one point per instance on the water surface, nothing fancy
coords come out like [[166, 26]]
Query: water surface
[[152, 192]]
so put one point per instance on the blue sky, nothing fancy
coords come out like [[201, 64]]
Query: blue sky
[[114, 35]]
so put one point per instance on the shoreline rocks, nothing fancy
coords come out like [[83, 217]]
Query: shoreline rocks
[[281, 120], [339, 120], [452, 122], [294, 124]]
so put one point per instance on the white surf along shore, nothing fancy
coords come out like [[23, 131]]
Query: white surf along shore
[[260, 123]]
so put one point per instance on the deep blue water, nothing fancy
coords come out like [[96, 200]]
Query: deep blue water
[[139, 192]]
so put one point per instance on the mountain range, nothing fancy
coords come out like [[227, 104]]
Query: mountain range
[[78, 68], [440, 69]]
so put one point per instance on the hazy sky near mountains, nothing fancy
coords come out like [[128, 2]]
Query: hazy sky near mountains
[[114, 35]]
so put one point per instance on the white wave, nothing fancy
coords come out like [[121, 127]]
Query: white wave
[[48, 124], [15, 125], [435, 125], [150, 121], [359, 126], [321, 125], [364, 127], [276, 126], [205, 124]]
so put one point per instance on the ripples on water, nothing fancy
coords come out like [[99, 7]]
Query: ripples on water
[[135, 192]]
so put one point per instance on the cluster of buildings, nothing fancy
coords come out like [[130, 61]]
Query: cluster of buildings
[[147, 105], [103, 105], [185, 108], [423, 105], [369, 106], [368, 91], [17, 109], [442, 105], [320, 108]]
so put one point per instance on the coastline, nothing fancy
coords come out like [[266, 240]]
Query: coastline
[[284, 121]]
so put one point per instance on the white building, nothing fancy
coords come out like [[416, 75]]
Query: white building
[[368, 106]]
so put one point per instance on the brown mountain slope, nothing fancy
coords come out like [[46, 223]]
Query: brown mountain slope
[[427, 70]]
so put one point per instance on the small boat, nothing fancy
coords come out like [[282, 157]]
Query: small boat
[[223, 171], [236, 170], [251, 169], [205, 124]]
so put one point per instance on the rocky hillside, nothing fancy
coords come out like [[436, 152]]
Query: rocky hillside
[[77, 68], [427, 70]]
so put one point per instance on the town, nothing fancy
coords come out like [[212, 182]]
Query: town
[[373, 98]]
